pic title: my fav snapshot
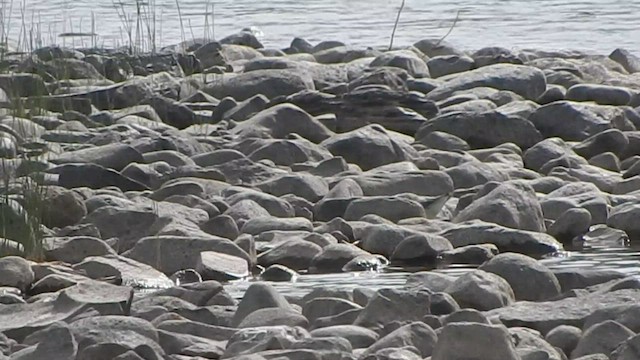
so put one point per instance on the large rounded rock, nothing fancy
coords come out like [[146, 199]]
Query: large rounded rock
[[296, 254], [62, 207], [281, 120], [529, 279], [358, 336], [16, 272], [420, 248], [601, 338], [511, 204], [404, 59], [526, 81], [564, 337], [600, 94], [259, 296], [334, 257], [481, 290], [571, 223], [612, 140], [461, 341], [268, 82], [357, 146], [484, 130], [416, 334]]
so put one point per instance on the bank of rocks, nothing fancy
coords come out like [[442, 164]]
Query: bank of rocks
[[218, 161]]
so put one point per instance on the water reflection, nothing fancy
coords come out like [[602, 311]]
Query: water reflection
[[622, 258]]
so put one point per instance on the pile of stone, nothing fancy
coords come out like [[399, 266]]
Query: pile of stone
[[218, 161]]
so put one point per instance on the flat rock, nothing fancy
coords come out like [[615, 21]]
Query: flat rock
[[173, 253], [526, 81], [544, 316], [132, 273], [477, 232], [484, 130]]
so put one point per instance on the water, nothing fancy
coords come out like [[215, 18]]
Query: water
[[590, 25], [625, 259]]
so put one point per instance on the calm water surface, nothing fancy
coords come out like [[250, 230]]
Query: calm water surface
[[590, 25], [593, 25]]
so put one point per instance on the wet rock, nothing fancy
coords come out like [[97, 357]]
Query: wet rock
[[278, 273], [529, 280], [320, 307], [422, 248], [471, 254], [571, 223], [172, 253], [213, 265], [484, 130], [507, 240], [294, 254], [481, 290], [432, 281], [389, 305], [579, 279], [334, 257], [602, 338], [460, 341]]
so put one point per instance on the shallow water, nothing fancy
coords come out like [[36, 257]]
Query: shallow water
[[591, 25], [624, 259]]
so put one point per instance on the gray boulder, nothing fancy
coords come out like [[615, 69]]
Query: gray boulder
[[526, 81], [259, 296], [530, 280], [358, 336], [389, 305], [357, 146], [481, 290], [16, 272], [417, 334], [270, 83], [461, 341], [281, 120], [510, 204], [484, 130], [601, 338]]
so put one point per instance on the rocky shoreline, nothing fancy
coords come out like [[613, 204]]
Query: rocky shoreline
[[177, 172]]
